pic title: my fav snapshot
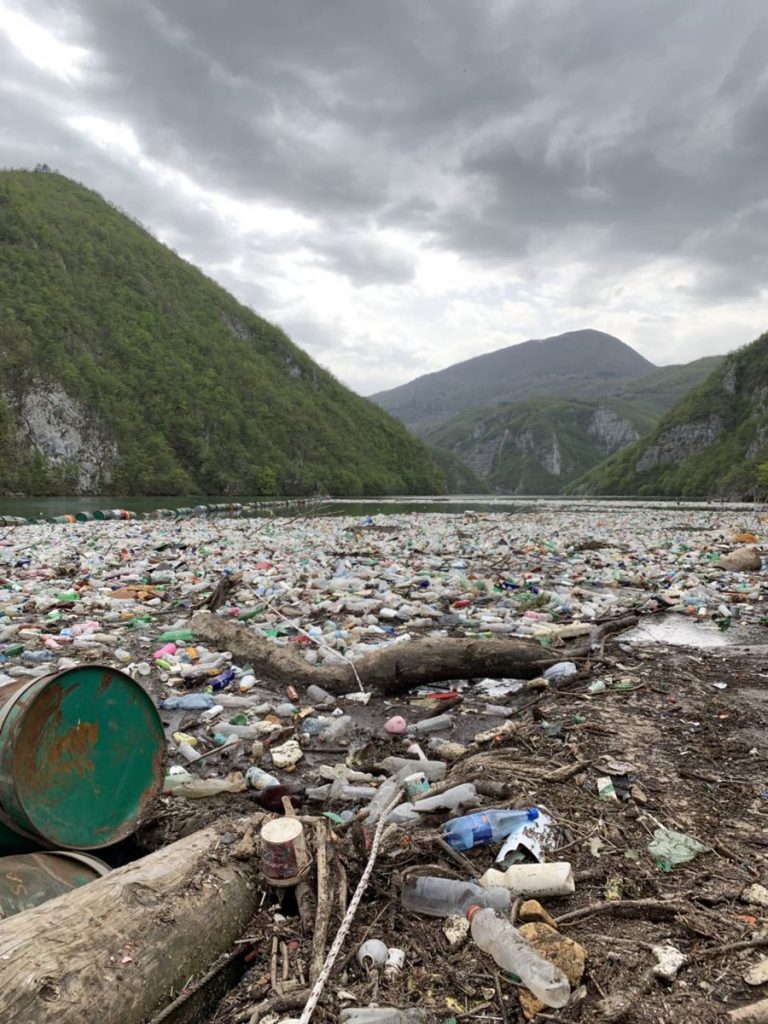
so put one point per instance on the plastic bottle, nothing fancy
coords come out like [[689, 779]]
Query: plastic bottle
[[338, 730], [257, 778], [441, 897], [315, 726], [434, 770], [485, 827], [447, 801], [427, 725], [211, 713], [341, 791], [385, 794], [319, 696], [175, 778], [246, 732], [234, 783], [319, 793], [496, 935], [381, 1015], [222, 681]]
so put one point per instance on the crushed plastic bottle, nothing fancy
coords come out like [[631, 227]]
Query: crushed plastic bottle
[[197, 788], [496, 935]]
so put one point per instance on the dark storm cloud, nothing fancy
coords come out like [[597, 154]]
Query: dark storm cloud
[[509, 132]]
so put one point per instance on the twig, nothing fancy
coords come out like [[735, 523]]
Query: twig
[[458, 858], [323, 903], [514, 910], [561, 774], [279, 1003], [500, 997], [612, 907], [276, 988], [343, 886], [731, 947]]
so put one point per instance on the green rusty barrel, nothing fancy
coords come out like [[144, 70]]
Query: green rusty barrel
[[29, 879], [81, 756]]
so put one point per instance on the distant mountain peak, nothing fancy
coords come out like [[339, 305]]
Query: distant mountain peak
[[574, 363]]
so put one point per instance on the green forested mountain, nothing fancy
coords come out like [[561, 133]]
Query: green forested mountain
[[711, 443], [539, 446], [127, 370]]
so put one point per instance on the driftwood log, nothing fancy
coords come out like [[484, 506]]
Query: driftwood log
[[391, 670], [120, 948]]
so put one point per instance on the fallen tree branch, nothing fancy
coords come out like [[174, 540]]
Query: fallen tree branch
[[391, 670]]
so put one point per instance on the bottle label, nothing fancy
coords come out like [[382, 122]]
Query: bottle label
[[481, 828]]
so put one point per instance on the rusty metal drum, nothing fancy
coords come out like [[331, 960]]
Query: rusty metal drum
[[29, 879], [81, 757]]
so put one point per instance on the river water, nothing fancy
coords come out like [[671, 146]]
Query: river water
[[39, 508]]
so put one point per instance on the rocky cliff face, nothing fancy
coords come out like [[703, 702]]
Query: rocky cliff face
[[610, 430], [66, 434], [679, 442]]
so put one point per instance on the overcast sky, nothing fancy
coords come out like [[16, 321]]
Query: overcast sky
[[401, 184]]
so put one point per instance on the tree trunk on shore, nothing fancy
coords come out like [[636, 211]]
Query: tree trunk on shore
[[393, 669], [120, 948]]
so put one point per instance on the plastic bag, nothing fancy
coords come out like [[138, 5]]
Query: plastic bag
[[670, 848]]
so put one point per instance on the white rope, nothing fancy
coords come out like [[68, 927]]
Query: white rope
[[319, 640], [362, 885]]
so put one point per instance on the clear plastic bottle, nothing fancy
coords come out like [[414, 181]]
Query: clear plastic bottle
[[381, 1015], [385, 794], [245, 732], [441, 897], [496, 935], [319, 696], [485, 827], [342, 792], [402, 766], [427, 725], [338, 730], [450, 800]]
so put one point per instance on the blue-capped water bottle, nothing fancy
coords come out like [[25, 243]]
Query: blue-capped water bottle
[[485, 827], [223, 680]]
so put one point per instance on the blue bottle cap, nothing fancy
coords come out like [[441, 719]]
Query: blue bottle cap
[[533, 813]]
